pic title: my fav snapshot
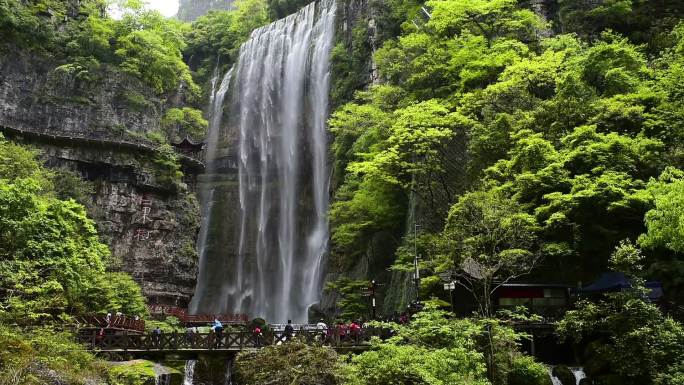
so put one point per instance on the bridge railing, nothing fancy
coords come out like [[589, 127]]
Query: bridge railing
[[183, 316], [233, 341], [115, 322]]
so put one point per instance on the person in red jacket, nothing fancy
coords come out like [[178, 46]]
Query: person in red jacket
[[355, 330]]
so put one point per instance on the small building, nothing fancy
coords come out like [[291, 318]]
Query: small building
[[547, 300], [189, 147], [613, 281]]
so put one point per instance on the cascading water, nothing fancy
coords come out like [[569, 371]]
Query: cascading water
[[189, 373], [577, 372], [266, 239], [162, 379], [207, 186], [228, 378]]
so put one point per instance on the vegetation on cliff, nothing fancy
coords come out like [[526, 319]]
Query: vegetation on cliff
[[52, 262], [52, 267], [214, 39], [142, 43], [522, 147], [581, 138]]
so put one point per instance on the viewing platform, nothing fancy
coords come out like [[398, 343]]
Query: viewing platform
[[230, 343]]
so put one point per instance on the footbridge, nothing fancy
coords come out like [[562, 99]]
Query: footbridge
[[228, 343]]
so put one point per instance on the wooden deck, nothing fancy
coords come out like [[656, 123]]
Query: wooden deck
[[230, 342]]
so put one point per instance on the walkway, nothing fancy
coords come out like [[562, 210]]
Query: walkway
[[100, 139], [231, 341]]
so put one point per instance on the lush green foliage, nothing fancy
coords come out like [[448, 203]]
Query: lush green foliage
[[491, 240], [665, 221], [580, 141], [139, 372], [214, 40], [409, 364], [292, 363], [629, 341], [350, 303], [436, 349], [51, 260], [525, 371], [281, 8], [143, 43], [626, 338], [42, 356], [182, 122], [168, 170]]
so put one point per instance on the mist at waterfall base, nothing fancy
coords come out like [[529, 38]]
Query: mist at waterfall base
[[265, 194]]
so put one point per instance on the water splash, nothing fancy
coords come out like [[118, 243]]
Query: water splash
[[189, 372], [228, 378], [578, 372], [268, 258]]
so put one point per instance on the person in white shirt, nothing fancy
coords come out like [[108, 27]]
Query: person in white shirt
[[322, 328]]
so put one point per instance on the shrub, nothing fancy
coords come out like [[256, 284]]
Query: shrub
[[292, 363], [525, 371]]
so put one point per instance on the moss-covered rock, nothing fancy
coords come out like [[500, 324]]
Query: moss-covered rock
[[138, 372], [564, 374], [142, 372]]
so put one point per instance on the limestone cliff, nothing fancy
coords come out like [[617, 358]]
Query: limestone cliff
[[190, 10], [98, 126]]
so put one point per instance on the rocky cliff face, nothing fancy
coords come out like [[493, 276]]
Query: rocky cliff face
[[190, 10], [97, 126]]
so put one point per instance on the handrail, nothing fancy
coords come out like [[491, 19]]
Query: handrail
[[229, 341], [115, 322], [184, 317]]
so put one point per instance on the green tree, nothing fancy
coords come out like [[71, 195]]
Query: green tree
[[351, 303], [186, 121], [435, 348], [50, 256], [629, 341], [665, 222], [492, 19], [489, 240], [42, 355], [410, 364], [215, 38]]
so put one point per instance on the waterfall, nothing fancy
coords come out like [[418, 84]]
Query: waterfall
[[228, 378], [162, 379], [555, 380], [189, 373], [577, 372], [268, 234], [206, 187]]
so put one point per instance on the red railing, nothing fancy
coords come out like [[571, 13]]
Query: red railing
[[184, 317], [114, 322]]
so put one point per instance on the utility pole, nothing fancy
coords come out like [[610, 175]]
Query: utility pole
[[416, 272], [372, 293], [451, 286]]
